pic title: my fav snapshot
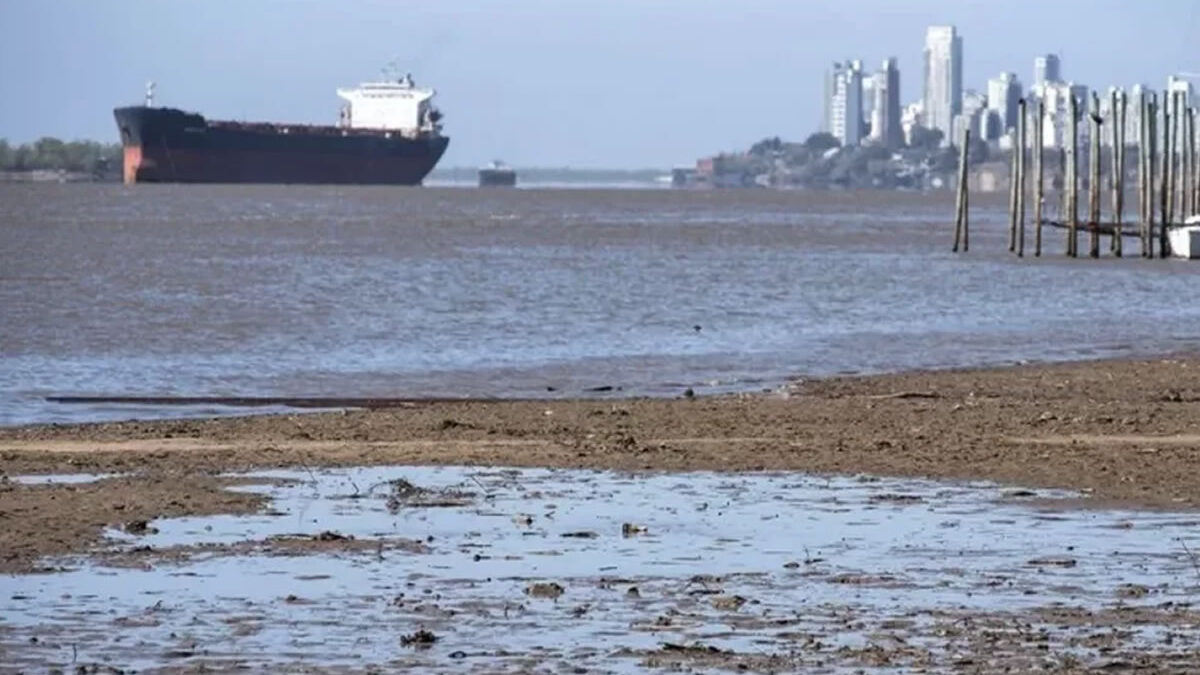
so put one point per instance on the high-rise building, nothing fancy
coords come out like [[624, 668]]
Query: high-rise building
[[1003, 98], [868, 98], [911, 117], [974, 107], [991, 127], [1180, 85], [885, 113], [943, 79], [845, 105], [1046, 68], [1056, 120]]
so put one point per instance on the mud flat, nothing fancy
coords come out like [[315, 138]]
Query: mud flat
[[502, 570], [1039, 517]]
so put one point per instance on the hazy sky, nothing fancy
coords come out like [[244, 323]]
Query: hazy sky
[[596, 83]]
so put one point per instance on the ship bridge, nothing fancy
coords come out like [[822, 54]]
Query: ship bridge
[[394, 106]]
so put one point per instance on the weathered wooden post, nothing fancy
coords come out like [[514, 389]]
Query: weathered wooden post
[[960, 203], [1113, 157], [1021, 135], [1073, 178], [1184, 159], [1118, 167], [1094, 178], [1173, 153], [1013, 167], [1141, 158], [966, 206], [1063, 193], [1039, 168], [1165, 182], [1151, 167]]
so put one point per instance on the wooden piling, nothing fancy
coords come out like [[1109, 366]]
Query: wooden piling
[[1094, 178], [1151, 167], [1173, 209], [1184, 160], [1113, 157], [966, 207], [1012, 196], [1072, 186], [1039, 168], [1164, 188], [1021, 136], [1195, 166], [960, 204], [1119, 130], [1063, 192], [1143, 154]]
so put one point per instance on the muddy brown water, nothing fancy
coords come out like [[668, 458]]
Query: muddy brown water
[[310, 291], [504, 570]]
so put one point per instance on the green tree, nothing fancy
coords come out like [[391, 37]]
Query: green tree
[[944, 161], [6, 155], [926, 139], [821, 141], [49, 153], [21, 158], [853, 167], [767, 147]]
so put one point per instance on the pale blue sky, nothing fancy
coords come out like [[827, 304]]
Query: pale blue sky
[[595, 83]]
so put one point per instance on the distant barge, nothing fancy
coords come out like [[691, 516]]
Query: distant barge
[[389, 134], [497, 174]]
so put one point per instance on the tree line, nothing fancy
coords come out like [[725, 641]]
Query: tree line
[[54, 154]]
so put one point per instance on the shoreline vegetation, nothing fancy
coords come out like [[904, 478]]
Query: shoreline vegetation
[[54, 160]]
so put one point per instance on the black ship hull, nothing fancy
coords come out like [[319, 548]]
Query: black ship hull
[[165, 145]]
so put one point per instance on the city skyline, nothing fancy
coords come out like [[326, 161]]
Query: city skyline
[[948, 105], [614, 83]]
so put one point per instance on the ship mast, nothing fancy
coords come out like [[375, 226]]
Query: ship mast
[[150, 94]]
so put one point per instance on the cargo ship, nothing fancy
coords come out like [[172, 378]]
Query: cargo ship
[[389, 133], [497, 174]]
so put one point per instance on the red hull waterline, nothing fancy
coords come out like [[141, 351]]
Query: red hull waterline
[[181, 165]]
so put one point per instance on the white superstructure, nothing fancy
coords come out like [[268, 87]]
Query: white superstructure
[[394, 106]]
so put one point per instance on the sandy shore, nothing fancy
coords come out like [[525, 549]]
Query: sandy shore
[[1121, 431]]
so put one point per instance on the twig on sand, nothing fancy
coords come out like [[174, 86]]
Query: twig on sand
[[311, 475], [908, 394], [1191, 556]]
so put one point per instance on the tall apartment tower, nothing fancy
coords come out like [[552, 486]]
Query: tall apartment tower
[[844, 107], [885, 114], [943, 79], [1046, 68], [1003, 98]]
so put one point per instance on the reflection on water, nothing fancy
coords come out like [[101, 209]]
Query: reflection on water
[[576, 566], [240, 290]]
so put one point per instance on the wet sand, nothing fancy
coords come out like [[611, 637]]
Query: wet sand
[[1115, 434], [1124, 431]]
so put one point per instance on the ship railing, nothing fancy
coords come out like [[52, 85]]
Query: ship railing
[[322, 130]]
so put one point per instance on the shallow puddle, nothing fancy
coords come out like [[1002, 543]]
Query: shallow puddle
[[512, 569], [59, 478]]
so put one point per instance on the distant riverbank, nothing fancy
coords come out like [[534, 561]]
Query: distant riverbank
[[54, 176]]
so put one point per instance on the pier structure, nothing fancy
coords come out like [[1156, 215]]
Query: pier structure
[[1165, 170]]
